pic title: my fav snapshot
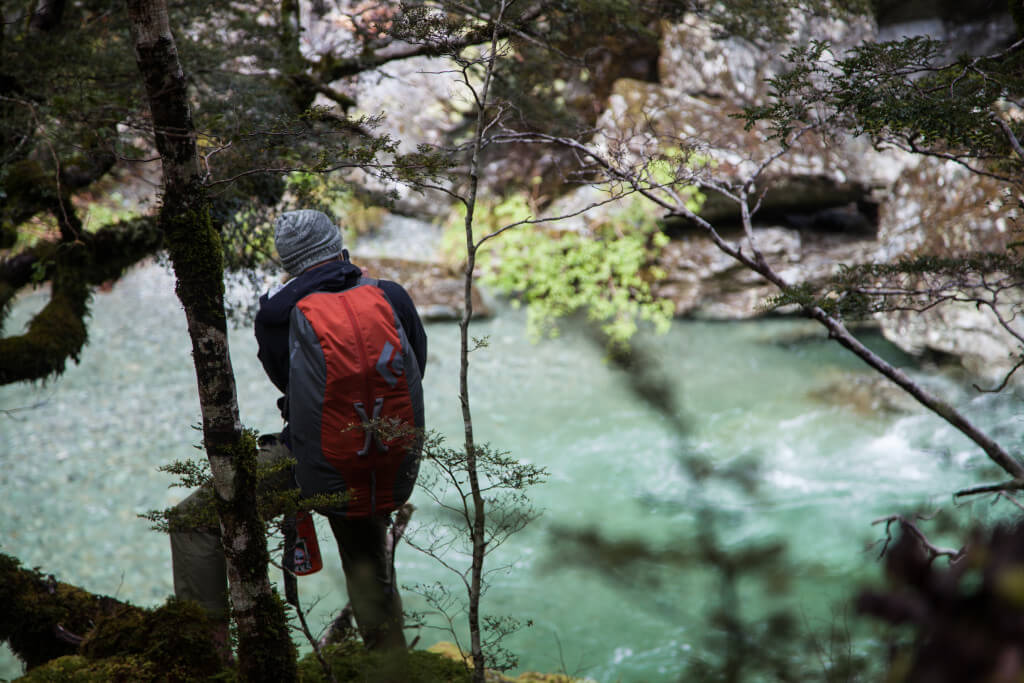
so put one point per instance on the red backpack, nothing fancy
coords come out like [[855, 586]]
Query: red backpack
[[355, 400]]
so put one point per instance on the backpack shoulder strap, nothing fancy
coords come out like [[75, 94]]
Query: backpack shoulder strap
[[364, 280]]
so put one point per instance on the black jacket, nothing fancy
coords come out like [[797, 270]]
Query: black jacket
[[274, 314]]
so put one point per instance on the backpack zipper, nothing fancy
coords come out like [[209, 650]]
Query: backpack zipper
[[367, 397]]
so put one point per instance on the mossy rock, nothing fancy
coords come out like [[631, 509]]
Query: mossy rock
[[350, 663], [451, 652], [79, 669], [175, 638], [31, 604]]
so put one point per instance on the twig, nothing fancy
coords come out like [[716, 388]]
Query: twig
[[1002, 495], [1012, 485], [1014, 142], [549, 219], [10, 412], [1006, 380], [317, 648], [933, 550]]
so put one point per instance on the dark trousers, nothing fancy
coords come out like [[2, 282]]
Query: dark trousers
[[200, 571]]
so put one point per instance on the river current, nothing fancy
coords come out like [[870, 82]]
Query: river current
[[80, 455]]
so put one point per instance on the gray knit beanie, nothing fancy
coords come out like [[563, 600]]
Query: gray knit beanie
[[305, 238]]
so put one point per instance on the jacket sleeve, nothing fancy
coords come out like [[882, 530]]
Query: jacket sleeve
[[272, 343], [405, 309]]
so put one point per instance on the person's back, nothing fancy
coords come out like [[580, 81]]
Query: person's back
[[334, 418]]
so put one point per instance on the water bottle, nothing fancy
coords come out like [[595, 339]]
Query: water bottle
[[306, 554]]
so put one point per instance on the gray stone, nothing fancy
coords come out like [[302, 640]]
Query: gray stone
[[940, 209], [812, 217], [925, 206]]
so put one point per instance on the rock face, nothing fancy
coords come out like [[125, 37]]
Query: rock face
[[943, 210], [826, 202]]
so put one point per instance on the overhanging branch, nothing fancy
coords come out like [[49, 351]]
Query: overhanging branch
[[58, 332]]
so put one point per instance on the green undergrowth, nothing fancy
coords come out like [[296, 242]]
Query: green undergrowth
[[351, 663], [348, 661], [170, 643], [605, 269]]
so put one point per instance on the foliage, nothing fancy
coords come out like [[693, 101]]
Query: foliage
[[350, 663], [906, 93], [503, 482], [276, 496], [606, 272]]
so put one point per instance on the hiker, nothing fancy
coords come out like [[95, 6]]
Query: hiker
[[318, 337]]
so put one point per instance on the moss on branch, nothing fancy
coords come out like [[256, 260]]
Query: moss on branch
[[58, 332], [37, 609]]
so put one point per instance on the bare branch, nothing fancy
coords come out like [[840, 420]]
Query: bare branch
[[1016, 484], [1006, 380], [1002, 495], [909, 146], [837, 330], [12, 412], [934, 551], [1010, 137], [550, 219]]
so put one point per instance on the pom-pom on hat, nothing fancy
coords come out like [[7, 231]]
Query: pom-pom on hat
[[305, 238]]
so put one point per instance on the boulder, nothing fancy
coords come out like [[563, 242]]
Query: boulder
[[437, 290], [825, 202], [940, 209]]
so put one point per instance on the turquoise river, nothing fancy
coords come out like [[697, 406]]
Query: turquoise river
[[80, 453]]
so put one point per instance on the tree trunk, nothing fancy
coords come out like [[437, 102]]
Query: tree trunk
[[478, 526], [266, 651]]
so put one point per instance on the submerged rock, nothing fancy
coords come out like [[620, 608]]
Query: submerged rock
[[866, 395], [437, 291]]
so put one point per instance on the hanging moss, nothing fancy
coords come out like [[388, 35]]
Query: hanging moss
[[120, 246], [6, 298], [30, 187], [57, 332], [8, 235]]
